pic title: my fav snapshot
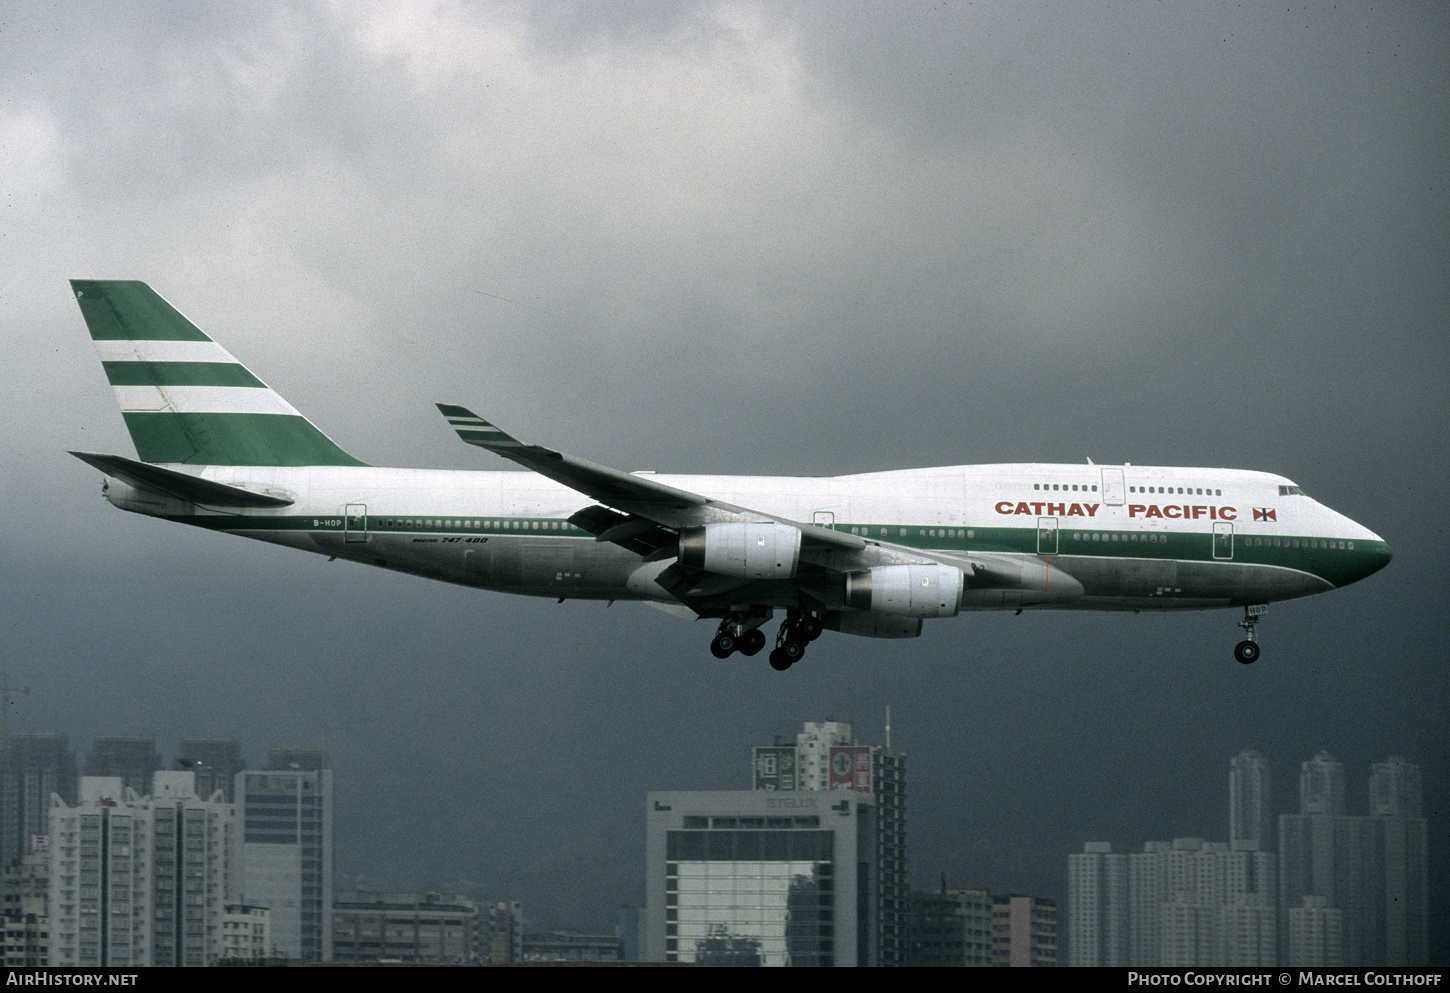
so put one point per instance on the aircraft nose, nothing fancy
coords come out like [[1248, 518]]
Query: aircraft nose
[[1377, 556]]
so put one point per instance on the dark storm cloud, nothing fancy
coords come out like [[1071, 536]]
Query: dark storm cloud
[[733, 238]]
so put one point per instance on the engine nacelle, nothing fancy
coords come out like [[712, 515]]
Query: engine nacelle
[[747, 549], [907, 590], [870, 624]]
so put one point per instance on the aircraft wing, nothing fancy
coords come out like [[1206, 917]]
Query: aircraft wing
[[639, 497], [647, 517]]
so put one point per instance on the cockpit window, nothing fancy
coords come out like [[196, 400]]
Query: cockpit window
[[1291, 491]]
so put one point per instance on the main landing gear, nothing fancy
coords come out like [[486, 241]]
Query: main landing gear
[[799, 630], [1247, 650]]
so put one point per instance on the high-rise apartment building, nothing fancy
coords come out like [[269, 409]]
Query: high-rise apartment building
[[1371, 872], [138, 880], [1396, 804], [761, 878], [1315, 933], [34, 767], [1321, 786], [1196, 902], [284, 850], [1024, 931], [1097, 907], [951, 929], [1324, 852], [1250, 802]]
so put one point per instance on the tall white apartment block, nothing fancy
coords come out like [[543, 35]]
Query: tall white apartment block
[[1397, 806], [1250, 801], [1196, 902], [1097, 906], [139, 880]]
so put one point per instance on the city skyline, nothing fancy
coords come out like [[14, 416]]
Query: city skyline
[[1321, 784], [724, 238]]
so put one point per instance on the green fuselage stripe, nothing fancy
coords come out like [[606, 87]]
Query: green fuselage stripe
[[1335, 560]]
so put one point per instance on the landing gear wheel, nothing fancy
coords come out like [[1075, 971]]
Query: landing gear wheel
[[810, 628], [752, 641], [722, 646], [791, 649], [1246, 651], [779, 661]]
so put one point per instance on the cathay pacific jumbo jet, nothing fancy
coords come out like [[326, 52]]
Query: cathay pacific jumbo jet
[[873, 554]]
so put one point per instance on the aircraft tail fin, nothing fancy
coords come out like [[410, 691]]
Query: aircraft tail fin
[[184, 397]]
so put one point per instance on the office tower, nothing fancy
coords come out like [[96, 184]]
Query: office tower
[[1024, 931], [1250, 805], [35, 766], [827, 757], [1097, 906], [1396, 806], [134, 760], [415, 928], [139, 880], [215, 763], [951, 929], [284, 853], [760, 878]]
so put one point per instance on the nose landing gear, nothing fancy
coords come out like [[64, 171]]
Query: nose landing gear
[[1247, 650]]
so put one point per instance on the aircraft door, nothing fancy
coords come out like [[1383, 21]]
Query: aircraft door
[[824, 519], [1113, 487], [1223, 540], [1047, 536], [357, 522]]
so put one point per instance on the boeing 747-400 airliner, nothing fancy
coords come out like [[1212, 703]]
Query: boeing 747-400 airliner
[[873, 554]]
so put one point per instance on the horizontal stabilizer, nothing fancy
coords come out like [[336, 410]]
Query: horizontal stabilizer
[[181, 485]]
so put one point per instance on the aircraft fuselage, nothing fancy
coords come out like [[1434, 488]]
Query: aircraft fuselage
[[1086, 537]]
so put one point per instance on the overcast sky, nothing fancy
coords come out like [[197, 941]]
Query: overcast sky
[[739, 238]]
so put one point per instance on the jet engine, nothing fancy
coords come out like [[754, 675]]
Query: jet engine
[[932, 590], [746, 549]]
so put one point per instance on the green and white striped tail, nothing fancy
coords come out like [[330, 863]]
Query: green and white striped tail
[[183, 396]]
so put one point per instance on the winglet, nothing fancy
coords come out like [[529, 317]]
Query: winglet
[[476, 431]]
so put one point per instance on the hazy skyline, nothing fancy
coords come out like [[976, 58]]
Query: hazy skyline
[[736, 238]]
